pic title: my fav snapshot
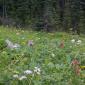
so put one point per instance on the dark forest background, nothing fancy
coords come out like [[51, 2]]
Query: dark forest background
[[47, 15]]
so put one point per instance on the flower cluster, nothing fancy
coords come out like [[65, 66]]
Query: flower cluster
[[37, 70], [22, 77], [16, 76], [76, 67], [27, 72], [77, 42], [11, 45], [73, 40]]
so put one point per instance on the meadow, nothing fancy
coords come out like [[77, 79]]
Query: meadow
[[41, 58]]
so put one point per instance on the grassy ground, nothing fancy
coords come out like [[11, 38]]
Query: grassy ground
[[50, 60]]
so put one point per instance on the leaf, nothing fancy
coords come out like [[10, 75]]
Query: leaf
[[68, 59]]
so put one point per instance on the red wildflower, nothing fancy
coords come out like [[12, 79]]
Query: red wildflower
[[77, 70], [62, 45], [75, 62], [76, 67]]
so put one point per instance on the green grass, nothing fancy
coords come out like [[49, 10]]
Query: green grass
[[46, 54]]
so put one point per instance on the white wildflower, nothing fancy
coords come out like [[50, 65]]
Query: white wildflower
[[73, 40], [38, 73], [28, 72], [22, 77], [16, 45], [15, 76], [79, 42], [37, 70], [11, 45], [53, 55], [70, 46]]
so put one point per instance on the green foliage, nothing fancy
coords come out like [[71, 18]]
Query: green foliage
[[52, 61], [2, 44]]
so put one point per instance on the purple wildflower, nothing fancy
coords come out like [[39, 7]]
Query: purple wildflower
[[30, 43]]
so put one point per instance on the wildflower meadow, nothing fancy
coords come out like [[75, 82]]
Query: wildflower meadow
[[41, 58]]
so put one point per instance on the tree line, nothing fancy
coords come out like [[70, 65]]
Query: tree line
[[45, 15]]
